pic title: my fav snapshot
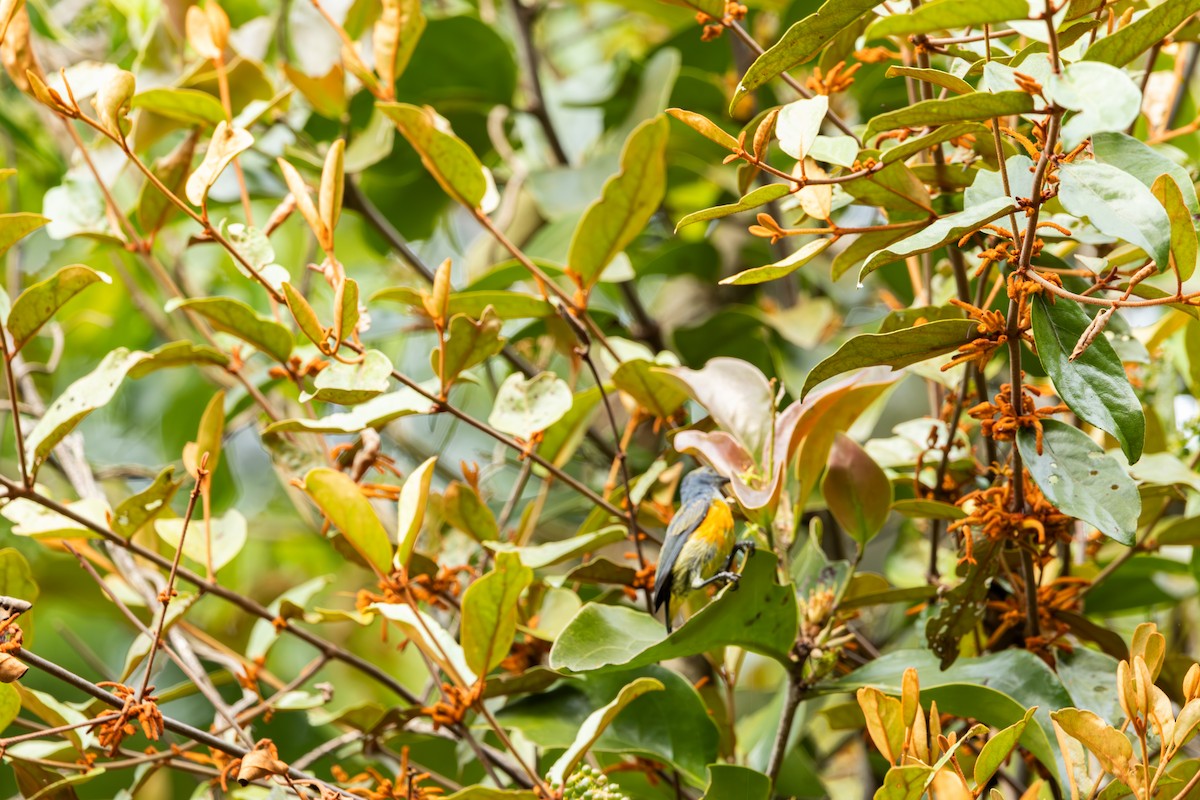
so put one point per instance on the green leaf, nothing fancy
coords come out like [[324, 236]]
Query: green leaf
[[1184, 246], [626, 203], [153, 206], [16, 580], [781, 268], [488, 793], [1103, 97], [942, 133], [489, 612], [228, 537], [190, 106], [944, 15], [340, 499], [238, 319], [976, 106], [935, 76], [178, 354], [652, 390], [14, 227], [1081, 480], [907, 782], [857, 490], [996, 689], [264, 634], [1118, 205], [705, 127], [897, 349], [945, 230], [448, 158], [464, 509], [434, 640], [81, 398], [135, 511], [760, 616], [505, 304], [395, 37], [801, 42], [414, 497], [1144, 163], [35, 306], [540, 556], [209, 435], [1126, 44], [226, 143], [469, 343], [998, 748], [727, 781], [1109, 745], [352, 384], [374, 413], [673, 725], [1094, 385], [595, 724], [305, 315], [39, 522], [754, 199], [928, 509], [525, 406], [863, 246]]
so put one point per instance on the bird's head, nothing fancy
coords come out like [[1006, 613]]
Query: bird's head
[[702, 481]]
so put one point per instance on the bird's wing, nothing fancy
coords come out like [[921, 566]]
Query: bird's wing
[[685, 521]]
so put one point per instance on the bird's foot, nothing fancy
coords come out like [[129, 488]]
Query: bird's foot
[[727, 576], [747, 546]]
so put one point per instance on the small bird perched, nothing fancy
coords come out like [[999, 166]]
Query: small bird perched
[[700, 545]]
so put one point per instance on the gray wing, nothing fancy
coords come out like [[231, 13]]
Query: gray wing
[[686, 520]]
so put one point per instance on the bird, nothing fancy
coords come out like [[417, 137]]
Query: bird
[[700, 544]]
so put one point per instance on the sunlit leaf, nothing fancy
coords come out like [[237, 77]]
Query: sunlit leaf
[[610, 637], [1118, 204], [1103, 97], [228, 536], [226, 143], [238, 319], [754, 199], [135, 511], [595, 724], [449, 160], [1124, 45], [945, 230], [414, 497], [489, 612], [801, 42], [470, 342], [941, 15], [81, 398], [35, 306], [526, 406], [189, 106], [352, 384], [341, 500], [781, 268], [626, 204], [976, 106]]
